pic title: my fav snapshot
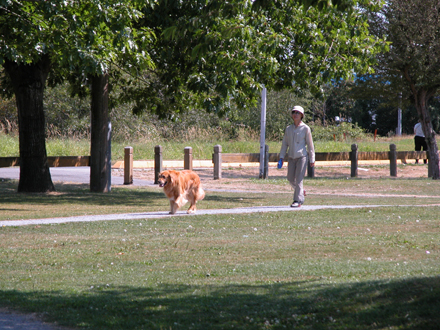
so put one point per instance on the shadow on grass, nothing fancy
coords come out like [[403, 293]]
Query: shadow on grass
[[403, 304], [125, 196]]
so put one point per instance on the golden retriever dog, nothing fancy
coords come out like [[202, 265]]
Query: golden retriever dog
[[181, 187]]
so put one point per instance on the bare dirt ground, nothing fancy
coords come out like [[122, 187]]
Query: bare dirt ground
[[238, 178]]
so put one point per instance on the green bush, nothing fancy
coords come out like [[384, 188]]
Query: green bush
[[341, 132]]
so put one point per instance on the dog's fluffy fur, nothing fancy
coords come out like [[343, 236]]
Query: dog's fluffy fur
[[181, 187]]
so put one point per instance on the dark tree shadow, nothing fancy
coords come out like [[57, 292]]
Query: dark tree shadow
[[403, 304]]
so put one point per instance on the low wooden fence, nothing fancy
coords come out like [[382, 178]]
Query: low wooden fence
[[353, 156], [53, 161], [218, 158]]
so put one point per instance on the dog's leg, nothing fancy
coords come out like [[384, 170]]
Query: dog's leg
[[192, 200], [192, 209], [173, 207], [197, 195], [180, 201]]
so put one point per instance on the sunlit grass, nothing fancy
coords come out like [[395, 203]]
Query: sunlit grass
[[315, 270], [372, 267], [9, 146], [68, 147], [144, 150]]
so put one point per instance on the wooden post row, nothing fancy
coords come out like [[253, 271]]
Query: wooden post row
[[157, 163], [393, 160], [354, 160], [310, 170], [188, 159], [217, 160], [266, 162], [128, 165]]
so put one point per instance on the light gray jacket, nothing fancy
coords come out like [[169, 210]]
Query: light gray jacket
[[295, 141]]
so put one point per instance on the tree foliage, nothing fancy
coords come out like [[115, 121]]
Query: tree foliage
[[412, 27], [61, 38], [76, 34], [204, 53], [225, 51]]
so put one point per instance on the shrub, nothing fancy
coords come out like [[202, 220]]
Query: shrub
[[339, 132]]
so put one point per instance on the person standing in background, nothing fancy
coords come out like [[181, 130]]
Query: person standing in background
[[419, 140], [296, 138]]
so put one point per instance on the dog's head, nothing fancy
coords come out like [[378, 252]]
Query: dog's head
[[164, 178]]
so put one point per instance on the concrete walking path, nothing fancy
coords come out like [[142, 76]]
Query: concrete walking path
[[161, 214]]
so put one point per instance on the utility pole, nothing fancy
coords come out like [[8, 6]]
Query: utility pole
[[399, 116], [262, 132]]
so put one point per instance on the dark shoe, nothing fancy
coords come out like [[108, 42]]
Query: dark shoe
[[295, 204]]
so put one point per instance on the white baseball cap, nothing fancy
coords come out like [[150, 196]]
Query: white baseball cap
[[299, 109]]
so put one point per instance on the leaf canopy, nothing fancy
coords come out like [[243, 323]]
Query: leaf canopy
[[88, 34], [225, 50]]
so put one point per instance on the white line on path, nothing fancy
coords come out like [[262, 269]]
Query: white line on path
[[157, 215]]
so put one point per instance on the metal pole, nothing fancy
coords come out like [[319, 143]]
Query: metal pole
[[263, 132], [399, 116], [109, 157]]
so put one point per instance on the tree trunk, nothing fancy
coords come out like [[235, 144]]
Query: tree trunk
[[28, 81], [423, 112], [100, 150]]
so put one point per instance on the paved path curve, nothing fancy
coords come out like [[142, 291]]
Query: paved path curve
[[161, 214], [13, 321], [70, 175], [16, 321]]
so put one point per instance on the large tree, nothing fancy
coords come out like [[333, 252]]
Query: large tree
[[60, 37], [225, 51], [412, 27], [28, 82], [216, 50]]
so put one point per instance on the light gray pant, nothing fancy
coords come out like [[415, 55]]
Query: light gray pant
[[296, 171]]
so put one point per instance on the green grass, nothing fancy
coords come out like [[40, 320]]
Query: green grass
[[355, 269], [361, 268], [77, 200], [143, 150], [367, 268]]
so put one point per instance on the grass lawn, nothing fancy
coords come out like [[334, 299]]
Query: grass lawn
[[172, 150], [367, 268]]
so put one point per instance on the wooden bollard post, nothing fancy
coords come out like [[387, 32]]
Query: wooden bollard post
[[354, 160], [188, 159], [157, 163], [217, 160], [128, 165], [266, 162], [393, 160], [310, 169]]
